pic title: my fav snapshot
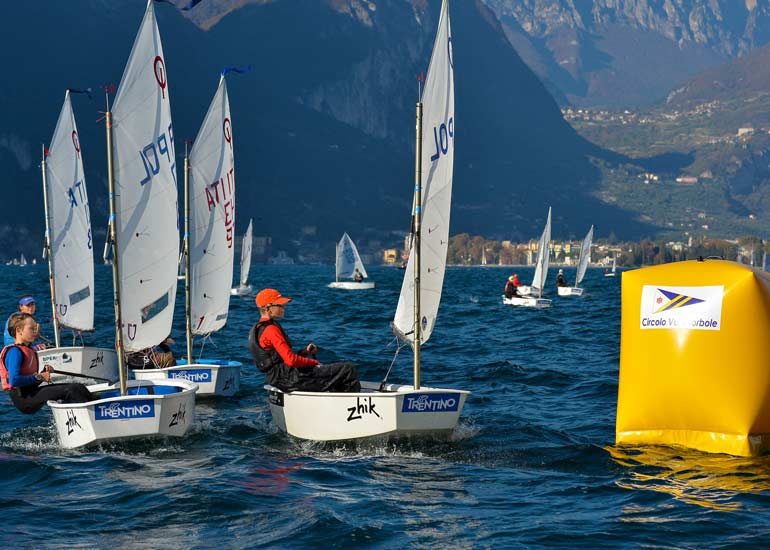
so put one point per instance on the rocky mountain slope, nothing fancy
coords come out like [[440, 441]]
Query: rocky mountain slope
[[324, 121], [626, 53]]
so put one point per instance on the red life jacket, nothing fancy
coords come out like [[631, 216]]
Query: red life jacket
[[29, 364]]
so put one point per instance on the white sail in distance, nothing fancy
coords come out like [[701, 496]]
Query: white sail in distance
[[585, 256], [348, 259], [246, 255], [438, 131], [145, 192], [212, 206], [70, 225], [543, 256]]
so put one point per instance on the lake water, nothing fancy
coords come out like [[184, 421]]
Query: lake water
[[531, 465]]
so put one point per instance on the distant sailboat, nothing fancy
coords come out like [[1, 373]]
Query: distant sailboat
[[144, 240], [390, 409], [244, 288], [346, 262], [585, 257], [611, 273], [23, 261], [208, 250], [69, 250], [527, 298]]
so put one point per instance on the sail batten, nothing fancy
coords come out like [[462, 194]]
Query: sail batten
[[212, 205], [437, 164], [70, 225], [146, 217]]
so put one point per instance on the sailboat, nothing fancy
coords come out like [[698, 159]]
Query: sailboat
[[69, 249], [527, 296], [244, 288], [141, 179], [208, 250], [612, 272], [389, 409], [23, 261], [585, 257], [346, 263]]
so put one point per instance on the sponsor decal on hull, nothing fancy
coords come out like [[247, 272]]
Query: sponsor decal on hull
[[122, 410], [191, 375], [363, 407], [431, 402], [72, 422]]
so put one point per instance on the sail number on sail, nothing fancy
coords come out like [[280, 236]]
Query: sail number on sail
[[221, 193], [165, 146], [77, 191], [441, 136]]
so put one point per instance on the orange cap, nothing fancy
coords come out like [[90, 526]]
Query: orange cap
[[270, 296]]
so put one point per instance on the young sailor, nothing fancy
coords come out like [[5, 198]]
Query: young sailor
[[511, 286], [285, 369], [26, 305], [560, 280], [19, 366]]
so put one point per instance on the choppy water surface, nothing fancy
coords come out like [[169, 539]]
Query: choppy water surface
[[532, 463]]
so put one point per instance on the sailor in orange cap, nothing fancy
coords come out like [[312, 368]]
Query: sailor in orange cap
[[286, 369]]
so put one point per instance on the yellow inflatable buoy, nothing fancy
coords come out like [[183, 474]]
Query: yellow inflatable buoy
[[695, 357]]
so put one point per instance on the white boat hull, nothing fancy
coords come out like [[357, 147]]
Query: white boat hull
[[96, 363], [609, 274], [214, 377], [569, 291], [352, 285], [168, 411], [527, 301], [399, 410], [241, 290]]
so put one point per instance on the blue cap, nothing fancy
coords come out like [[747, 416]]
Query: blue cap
[[26, 300]]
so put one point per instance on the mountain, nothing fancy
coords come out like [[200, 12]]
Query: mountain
[[743, 79], [624, 53], [324, 122]]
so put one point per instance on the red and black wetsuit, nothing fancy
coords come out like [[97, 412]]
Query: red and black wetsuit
[[291, 371]]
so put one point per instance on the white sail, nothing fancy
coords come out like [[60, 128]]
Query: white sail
[[585, 256], [543, 254], [23, 260], [70, 225], [613, 264], [438, 127], [348, 259], [145, 192], [212, 206], [246, 256]]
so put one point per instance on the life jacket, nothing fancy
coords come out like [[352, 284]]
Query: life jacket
[[28, 364], [265, 359]]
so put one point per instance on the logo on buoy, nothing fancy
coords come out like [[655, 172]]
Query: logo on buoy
[[681, 307]]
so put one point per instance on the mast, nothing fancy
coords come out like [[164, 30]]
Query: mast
[[186, 252], [49, 256], [416, 241], [337, 263], [113, 238]]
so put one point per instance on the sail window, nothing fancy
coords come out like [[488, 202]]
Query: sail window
[[80, 295], [153, 309]]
